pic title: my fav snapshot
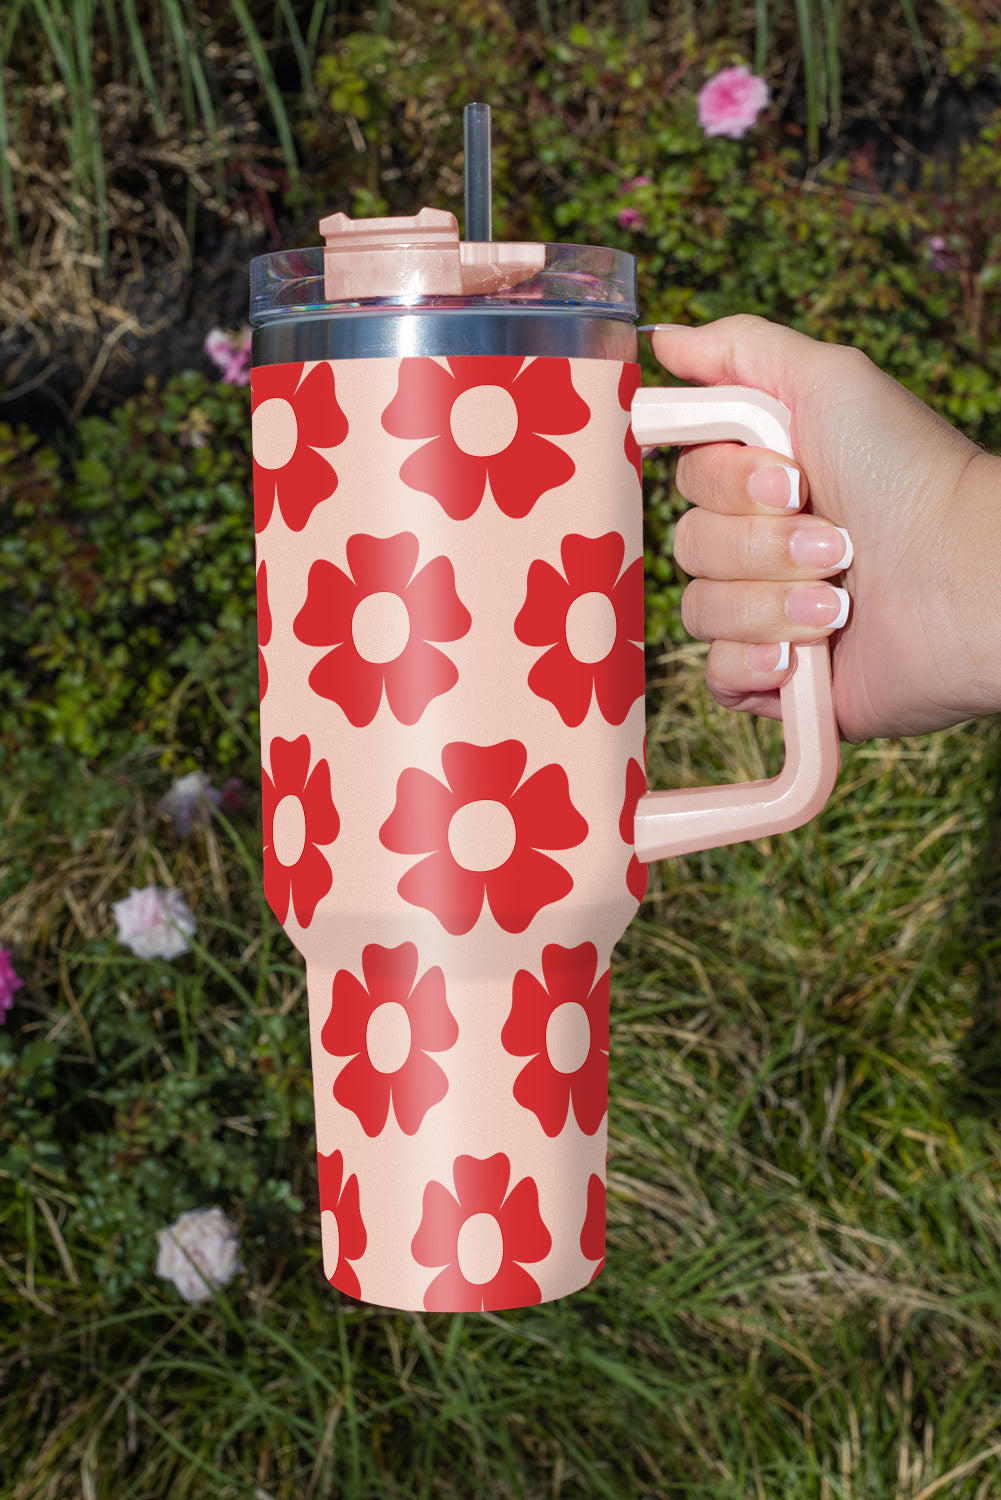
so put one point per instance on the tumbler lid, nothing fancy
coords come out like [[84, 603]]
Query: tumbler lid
[[420, 256]]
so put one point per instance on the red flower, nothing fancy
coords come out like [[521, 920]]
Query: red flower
[[629, 384], [484, 415], [483, 832], [389, 1060], [345, 1239], [480, 1236], [592, 621], [592, 1235], [299, 815], [563, 1026], [290, 422], [263, 624], [637, 873], [383, 643]]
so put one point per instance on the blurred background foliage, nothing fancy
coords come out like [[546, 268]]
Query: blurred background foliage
[[804, 1281]]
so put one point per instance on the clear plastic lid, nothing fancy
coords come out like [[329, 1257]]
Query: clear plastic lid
[[589, 279]]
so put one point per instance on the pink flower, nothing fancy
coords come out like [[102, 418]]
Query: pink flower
[[154, 923], [730, 102], [631, 218], [231, 352], [198, 1253], [9, 982]]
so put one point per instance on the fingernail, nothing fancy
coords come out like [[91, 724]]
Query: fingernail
[[775, 484], [658, 327], [821, 546], [821, 607], [768, 658]]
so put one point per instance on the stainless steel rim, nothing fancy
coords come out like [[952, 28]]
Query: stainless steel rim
[[373, 335]]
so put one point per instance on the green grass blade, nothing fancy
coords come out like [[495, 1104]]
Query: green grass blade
[[920, 51], [810, 74], [761, 35], [267, 77], [138, 50]]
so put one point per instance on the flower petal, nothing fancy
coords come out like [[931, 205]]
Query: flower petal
[[382, 564], [546, 398], [564, 682], [437, 1237], [345, 678], [481, 1182], [545, 1091], [548, 596], [457, 480], [325, 618], [343, 1032], [419, 821], [435, 610], [421, 673], [419, 1085], [543, 813], [478, 772], [524, 471], [441, 886], [518, 890], [423, 401], [311, 880]]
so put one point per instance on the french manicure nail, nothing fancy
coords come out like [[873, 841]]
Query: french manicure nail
[[776, 485], [769, 658], [821, 546], [658, 327], [821, 607]]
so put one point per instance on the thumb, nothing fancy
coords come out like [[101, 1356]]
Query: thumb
[[740, 350]]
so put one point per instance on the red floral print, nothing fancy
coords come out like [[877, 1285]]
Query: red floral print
[[591, 566], [365, 1085], [305, 877], [292, 416], [577, 1075], [637, 873], [523, 468], [484, 1263], [516, 879], [592, 1235], [341, 1198], [418, 671], [263, 624], [629, 384]]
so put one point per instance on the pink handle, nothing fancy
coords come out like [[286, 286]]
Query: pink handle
[[680, 822]]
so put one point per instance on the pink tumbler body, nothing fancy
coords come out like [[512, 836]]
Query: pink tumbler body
[[450, 589]]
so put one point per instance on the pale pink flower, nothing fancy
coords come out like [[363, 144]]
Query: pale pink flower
[[198, 1253], [231, 352], [9, 982], [188, 800], [731, 101], [154, 923]]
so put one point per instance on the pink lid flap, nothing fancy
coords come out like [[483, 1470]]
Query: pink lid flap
[[421, 256]]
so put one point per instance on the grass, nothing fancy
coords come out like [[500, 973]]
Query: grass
[[803, 1289]]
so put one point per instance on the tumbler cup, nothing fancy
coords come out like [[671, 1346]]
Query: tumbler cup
[[446, 444]]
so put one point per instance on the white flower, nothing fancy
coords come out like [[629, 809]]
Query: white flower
[[188, 799], [154, 923], [198, 1253]]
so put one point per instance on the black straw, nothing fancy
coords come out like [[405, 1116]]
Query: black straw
[[476, 148]]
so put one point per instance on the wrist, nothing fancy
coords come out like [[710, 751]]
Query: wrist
[[971, 591]]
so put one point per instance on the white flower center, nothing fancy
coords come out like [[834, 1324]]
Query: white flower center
[[275, 432], [591, 627], [288, 834], [568, 1037], [388, 1037], [480, 1248], [484, 420], [481, 835], [380, 627], [330, 1237]]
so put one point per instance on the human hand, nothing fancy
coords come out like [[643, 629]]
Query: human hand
[[921, 646]]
